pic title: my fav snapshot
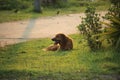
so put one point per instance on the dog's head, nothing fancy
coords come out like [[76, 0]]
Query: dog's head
[[59, 38]]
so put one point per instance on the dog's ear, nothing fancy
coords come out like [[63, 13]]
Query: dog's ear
[[63, 36]]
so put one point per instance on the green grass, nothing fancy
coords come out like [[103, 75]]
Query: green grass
[[73, 7], [27, 61]]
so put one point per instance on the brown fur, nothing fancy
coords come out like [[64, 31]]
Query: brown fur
[[62, 42], [53, 47]]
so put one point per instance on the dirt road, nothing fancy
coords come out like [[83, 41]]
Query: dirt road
[[14, 32]]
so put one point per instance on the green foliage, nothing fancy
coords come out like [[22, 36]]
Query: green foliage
[[56, 4], [113, 16], [91, 26], [71, 6], [14, 4], [25, 4], [114, 2], [85, 3], [60, 4]]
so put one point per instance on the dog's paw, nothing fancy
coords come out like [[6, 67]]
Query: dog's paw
[[44, 49]]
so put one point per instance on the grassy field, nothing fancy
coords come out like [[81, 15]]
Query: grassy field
[[27, 61], [74, 6]]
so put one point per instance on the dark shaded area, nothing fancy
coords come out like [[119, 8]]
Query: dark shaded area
[[14, 4], [14, 74], [31, 75]]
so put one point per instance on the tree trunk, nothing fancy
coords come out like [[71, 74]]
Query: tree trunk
[[37, 6]]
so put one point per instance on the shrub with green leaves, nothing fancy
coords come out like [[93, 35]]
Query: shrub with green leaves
[[90, 27], [113, 16], [55, 3], [15, 4]]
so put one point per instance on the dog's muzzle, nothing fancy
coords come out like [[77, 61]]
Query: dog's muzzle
[[53, 39], [56, 41]]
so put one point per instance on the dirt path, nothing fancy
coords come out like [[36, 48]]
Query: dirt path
[[14, 32]]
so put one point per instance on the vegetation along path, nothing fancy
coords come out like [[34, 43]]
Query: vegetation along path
[[14, 32]]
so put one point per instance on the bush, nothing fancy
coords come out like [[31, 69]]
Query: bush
[[15, 4], [55, 3], [113, 16], [60, 4], [90, 27]]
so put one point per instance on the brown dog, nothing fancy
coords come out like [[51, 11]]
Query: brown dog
[[62, 42]]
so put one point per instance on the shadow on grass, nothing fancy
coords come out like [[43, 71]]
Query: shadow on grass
[[31, 75], [115, 62], [15, 75]]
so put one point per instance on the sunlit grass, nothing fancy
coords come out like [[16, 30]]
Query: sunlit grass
[[27, 61]]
